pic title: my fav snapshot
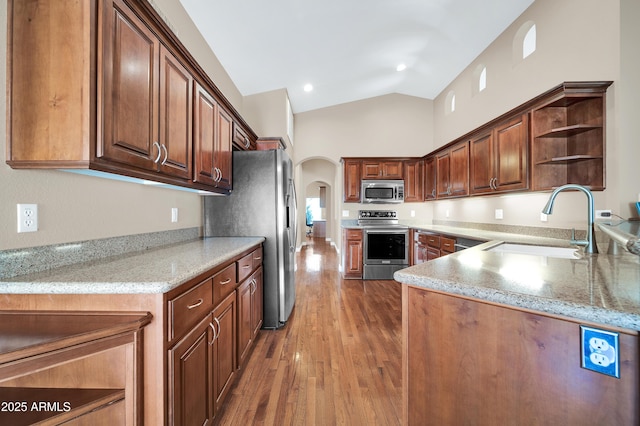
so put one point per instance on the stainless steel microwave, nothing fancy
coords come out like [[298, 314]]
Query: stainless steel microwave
[[382, 191]]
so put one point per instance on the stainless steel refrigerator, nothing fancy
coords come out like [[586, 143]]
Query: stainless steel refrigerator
[[262, 203]]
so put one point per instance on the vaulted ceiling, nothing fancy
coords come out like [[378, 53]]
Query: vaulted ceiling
[[349, 49]]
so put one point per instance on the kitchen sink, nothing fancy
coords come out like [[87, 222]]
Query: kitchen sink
[[546, 251]]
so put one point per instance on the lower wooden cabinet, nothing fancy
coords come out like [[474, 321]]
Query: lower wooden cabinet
[[191, 377], [352, 257], [466, 361], [203, 364], [250, 295], [429, 245], [71, 367]]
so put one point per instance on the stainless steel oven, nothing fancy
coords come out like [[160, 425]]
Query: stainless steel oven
[[386, 244]]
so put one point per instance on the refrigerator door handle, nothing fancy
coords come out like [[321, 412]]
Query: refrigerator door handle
[[291, 218]]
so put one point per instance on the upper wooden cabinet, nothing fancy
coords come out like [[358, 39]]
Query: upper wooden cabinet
[[430, 178], [452, 169], [568, 136], [413, 181], [112, 89], [351, 177], [381, 169], [142, 79], [499, 157]]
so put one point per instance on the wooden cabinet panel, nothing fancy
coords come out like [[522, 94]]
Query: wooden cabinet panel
[[459, 170], [413, 181], [443, 165], [224, 282], [190, 362], [352, 178], [529, 368], [430, 178], [204, 121], [382, 169], [224, 348], [499, 157], [447, 245], [249, 313], [176, 116], [352, 258], [185, 310], [131, 89], [222, 153]]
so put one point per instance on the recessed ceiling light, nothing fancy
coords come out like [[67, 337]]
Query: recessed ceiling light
[[308, 87], [401, 67]]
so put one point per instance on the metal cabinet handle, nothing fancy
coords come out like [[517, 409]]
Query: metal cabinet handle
[[217, 322], [215, 333], [157, 145], [225, 282], [195, 305], [246, 266], [166, 154]]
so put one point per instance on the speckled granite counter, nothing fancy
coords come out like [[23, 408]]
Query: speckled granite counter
[[157, 270], [601, 288]]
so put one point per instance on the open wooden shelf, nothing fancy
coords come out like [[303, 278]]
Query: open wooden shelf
[[568, 131], [569, 158]]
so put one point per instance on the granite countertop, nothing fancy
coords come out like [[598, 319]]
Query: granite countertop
[[601, 288], [157, 270]]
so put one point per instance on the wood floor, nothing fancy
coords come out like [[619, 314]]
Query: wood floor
[[337, 361]]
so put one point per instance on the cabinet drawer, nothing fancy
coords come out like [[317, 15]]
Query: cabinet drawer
[[433, 240], [447, 244], [188, 308], [354, 234], [224, 282], [257, 258], [245, 266]]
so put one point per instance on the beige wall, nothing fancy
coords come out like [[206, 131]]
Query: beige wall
[[576, 40], [392, 125], [76, 208]]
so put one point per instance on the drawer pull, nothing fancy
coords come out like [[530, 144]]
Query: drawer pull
[[227, 281], [195, 305], [246, 266], [257, 258]]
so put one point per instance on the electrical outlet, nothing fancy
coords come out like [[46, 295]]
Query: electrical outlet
[[27, 217], [543, 217], [174, 214], [600, 351], [499, 214], [603, 214]]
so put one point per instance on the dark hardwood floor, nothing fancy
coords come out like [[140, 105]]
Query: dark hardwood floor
[[338, 359]]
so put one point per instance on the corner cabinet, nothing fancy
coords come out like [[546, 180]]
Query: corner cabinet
[[352, 171], [568, 136], [413, 181], [122, 100]]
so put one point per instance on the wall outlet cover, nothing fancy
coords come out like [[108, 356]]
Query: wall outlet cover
[[599, 350]]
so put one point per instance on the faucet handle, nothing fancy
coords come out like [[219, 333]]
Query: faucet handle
[[577, 242]]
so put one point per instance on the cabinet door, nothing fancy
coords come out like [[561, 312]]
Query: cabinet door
[[130, 91], [443, 165], [245, 331], [224, 348], [176, 102], [257, 308], [204, 120], [352, 170], [352, 259], [481, 163], [459, 170], [413, 181], [430, 178], [381, 169], [511, 154], [190, 377], [222, 152]]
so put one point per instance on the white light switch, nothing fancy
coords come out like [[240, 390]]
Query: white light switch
[[174, 214]]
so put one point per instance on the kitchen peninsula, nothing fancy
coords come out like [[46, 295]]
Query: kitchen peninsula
[[199, 294], [501, 333]]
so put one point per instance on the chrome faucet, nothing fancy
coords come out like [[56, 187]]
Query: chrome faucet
[[590, 243]]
